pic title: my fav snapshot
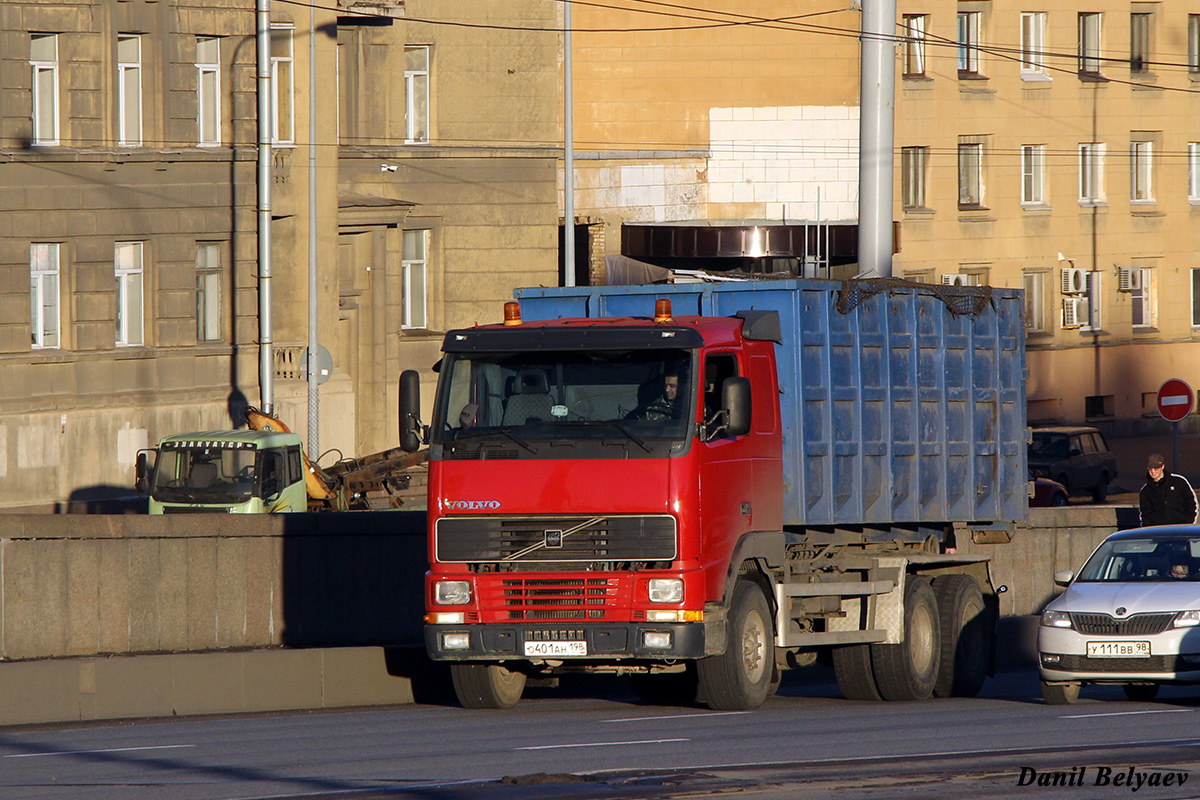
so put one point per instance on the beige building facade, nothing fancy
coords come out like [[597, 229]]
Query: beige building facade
[[422, 187]]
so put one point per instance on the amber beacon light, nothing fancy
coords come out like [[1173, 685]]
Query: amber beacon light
[[662, 310], [512, 313]]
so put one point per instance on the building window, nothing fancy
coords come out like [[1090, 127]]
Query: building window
[[1193, 35], [415, 267], [1194, 171], [1036, 317], [1139, 43], [1141, 172], [1195, 297], [1091, 320], [208, 292], [1089, 43], [1033, 174], [130, 301], [914, 45], [970, 174], [1033, 44], [416, 92], [282, 88], [129, 90], [1091, 173], [913, 162], [968, 43], [1137, 282], [43, 294], [208, 89], [43, 56]]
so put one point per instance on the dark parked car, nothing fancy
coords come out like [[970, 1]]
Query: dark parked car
[[1076, 457], [1047, 493]]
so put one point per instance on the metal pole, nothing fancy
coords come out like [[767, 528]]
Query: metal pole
[[568, 156], [266, 356], [875, 137], [314, 396]]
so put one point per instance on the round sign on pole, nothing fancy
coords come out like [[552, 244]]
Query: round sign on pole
[[1174, 400]]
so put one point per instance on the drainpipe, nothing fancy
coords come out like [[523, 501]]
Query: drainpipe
[[875, 136], [568, 156], [266, 355]]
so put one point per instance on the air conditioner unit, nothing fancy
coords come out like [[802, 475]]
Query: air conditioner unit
[[1129, 279], [955, 279], [1075, 312], [1074, 280]]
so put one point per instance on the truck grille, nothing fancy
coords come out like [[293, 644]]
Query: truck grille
[[552, 598], [555, 539], [1136, 625]]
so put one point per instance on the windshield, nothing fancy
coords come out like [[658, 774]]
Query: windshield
[[1144, 559], [634, 395], [209, 474]]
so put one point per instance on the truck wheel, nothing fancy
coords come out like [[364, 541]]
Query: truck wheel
[[854, 673], [909, 670], [1060, 694], [487, 685], [966, 636], [1141, 692], [670, 688], [739, 678]]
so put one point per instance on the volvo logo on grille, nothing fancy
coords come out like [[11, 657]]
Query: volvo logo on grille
[[553, 538], [472, 505]]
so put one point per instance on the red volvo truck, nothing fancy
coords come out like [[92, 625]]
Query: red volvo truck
[[701, 485]]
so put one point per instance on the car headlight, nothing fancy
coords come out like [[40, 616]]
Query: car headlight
[[452, 593], [1056, 619], [666, 590], [1187, 619]]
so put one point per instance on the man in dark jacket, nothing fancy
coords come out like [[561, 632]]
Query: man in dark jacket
[[1166, 499]]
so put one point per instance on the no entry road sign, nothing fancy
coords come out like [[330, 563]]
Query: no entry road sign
[[1174, 400]]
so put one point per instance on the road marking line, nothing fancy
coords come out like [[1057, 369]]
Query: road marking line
[[679, 716], [110, 750], [1125, 713], [601, 744]]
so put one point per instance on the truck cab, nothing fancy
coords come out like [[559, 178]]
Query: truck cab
[[235, 472]]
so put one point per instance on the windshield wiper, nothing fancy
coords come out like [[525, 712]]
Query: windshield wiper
[[612, 423], [460, 434]]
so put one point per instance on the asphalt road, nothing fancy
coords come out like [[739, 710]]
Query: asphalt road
[[593, 739]]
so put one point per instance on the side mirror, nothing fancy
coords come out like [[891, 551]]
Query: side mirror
[[410, 410], [142, 473], [1063, 577], [735, 398]]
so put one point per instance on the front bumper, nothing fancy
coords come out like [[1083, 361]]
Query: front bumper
[[1062, 656], [610, 641]]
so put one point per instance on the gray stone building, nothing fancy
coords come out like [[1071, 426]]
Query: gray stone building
[[413, 162]]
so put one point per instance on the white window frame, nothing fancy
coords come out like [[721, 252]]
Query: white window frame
[[1033, 45], [44, 111], [1193, 37], [45, 299], [1140, 25], [283, 87], [131, 300], [1090, 32], [129, 91], [1141, 172], [1033, 175], [208, 292], [1195, 297], [914, 163], [970, 175], [1194, 172], [1142, 300], [416, 96], [969, 25], [208, 91], [415, 268], [1037, 317], [1091, 173], [915, 26], [1094, 298]]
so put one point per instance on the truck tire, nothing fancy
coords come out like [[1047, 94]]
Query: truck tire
[[854, 673], [487, 685], [1060, 694], [740, 678], [909, 670], [669, 689], [966, 636]]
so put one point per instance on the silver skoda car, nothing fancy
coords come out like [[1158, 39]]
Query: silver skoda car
[[1131, 616]]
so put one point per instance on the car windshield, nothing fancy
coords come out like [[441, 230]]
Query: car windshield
[[1049, 446], [1144, 559], [634, 395], [204, 474]]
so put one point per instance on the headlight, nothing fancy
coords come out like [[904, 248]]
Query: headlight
[[1056, 619], [666, 590], [452, 593], [1187, 619]]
